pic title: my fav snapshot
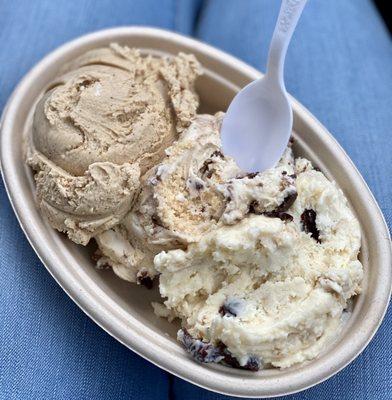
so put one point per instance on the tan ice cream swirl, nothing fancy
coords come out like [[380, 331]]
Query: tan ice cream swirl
[[102, 124]]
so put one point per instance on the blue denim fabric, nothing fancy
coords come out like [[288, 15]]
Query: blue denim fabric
[[339, 66]]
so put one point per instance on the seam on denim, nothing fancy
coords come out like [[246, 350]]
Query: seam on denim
[[171, 395], [198, 16], [175, 15]]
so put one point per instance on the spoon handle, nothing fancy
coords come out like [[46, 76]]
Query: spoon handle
[[290, 11]]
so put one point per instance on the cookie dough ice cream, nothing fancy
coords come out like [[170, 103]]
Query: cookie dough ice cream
[[259, 268], [194, 190], [269, 289]]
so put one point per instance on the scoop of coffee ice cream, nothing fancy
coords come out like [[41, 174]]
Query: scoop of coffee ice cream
[[112, 109], [115, 105]]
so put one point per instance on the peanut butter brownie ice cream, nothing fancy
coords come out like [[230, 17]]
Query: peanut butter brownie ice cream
[[105, 121]]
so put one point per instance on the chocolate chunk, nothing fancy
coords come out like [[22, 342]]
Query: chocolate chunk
[[227, 356], [154, 181], [281, 215], [145, 280], [209, 173], [224, 310], [217, 153], [287, 202], [249, 175], [195, 184], [308, 219], [96, 255], [253, 207], [198, 185], [272, 214], [201, 351], [232, 307], [156, 178], [285, 217], [206, 352], [253, 364], [205, 167], [279, 212], [229, 194], [284, 172], [156, 220]]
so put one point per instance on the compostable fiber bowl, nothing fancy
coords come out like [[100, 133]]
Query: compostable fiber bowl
[[123, 309]]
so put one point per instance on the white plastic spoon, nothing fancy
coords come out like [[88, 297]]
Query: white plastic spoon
[[259, 120]]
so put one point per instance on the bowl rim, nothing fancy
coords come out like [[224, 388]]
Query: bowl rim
[[103, 311]]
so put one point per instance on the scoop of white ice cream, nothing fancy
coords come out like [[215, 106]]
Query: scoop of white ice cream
[[266, 289], [194, 190]]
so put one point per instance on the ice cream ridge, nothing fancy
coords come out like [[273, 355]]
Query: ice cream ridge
[[259, 268]]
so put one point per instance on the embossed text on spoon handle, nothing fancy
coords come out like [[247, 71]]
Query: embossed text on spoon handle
[[289, 14]]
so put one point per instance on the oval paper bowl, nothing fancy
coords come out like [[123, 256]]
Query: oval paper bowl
[[123, 309]]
